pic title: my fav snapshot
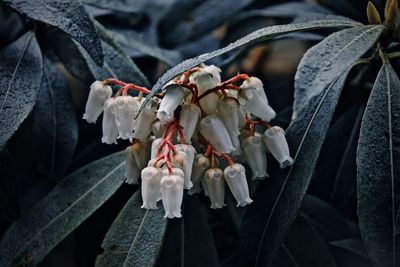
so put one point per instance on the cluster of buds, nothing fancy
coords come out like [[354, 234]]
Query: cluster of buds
[[195, 135]]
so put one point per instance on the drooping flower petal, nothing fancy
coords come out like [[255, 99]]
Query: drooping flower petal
[[144, 122], [132, 171], [125, 110], [188, 119], [236, 179], [190, 152], [275, 140], [216, 187], [172, 195], [255, 83], [228, 111], [151, 184], [256, 156], [200, 164], [214, 131], [155, 146], [206, 78], [95, 102], [172, 99], [110, 131], [256, 104]]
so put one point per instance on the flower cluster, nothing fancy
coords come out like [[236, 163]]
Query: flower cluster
[[195, 135]]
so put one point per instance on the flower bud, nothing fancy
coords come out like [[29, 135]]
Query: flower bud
[[256, 156], [188, 119], [110, 131], [214, 131], [236, 178], [132, 171], [200, 164], [151, 183], [173, 97], [97, 96], [255, 83], [257, 105], [155, 146], [216, 187], [275, 140], [144, 122], [172, 195], [206, 78], [125, 108], [228, 111], [189, 152]]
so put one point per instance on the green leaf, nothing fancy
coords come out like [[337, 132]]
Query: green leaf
[[254, 37], [326, 61], [135, 237], [349, 253], [378, 169], [55, 125], [9, 190], [69, 16], [77, 196], [20, 73], [277, 203]]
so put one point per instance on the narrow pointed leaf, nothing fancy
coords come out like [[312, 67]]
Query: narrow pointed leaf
[[254, 37], [33, 235], [135, 237], [69, 16], [21, 73], [327, 60], [378, 170], [277, 203], [55, 125]]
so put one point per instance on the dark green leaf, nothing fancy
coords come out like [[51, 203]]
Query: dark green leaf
[[277, 202], [20, 72], [77, 196], [135, 237], [254, 37], [378, 169], [55, 125], [134, 6], [327, 221], [189, 241], [304, 247], [9, 193], [326, 61], [349, 253], [69, 16]]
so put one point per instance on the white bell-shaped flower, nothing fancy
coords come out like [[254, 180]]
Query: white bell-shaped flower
[[275, 140], [236, 178], [125, 108], [144, 122], [157, 128], [110, 131], [228, 111], [188, 119], [214, 131], [132, 171], [97, 96], [256, 104], [216, 187], [255, 83], [206, 78], [151, 184], [200, 164], [155, 146], [172, 195], [256, 156], [171, 100], [190, 153]]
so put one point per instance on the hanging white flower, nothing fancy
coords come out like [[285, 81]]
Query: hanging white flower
[[236, 179], [97, 96], [188, 119], [216, 187], [172, 99], [214, 131], [206, 78], [144, 122], [256, 156], [154, 147], [255, 83], [200, 164], [157, 128], [110, 131], [132, 171], [188, 159], [256, 104], [125, 109], [172, 195], [151, 184], [275, 140], [228, 111]]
